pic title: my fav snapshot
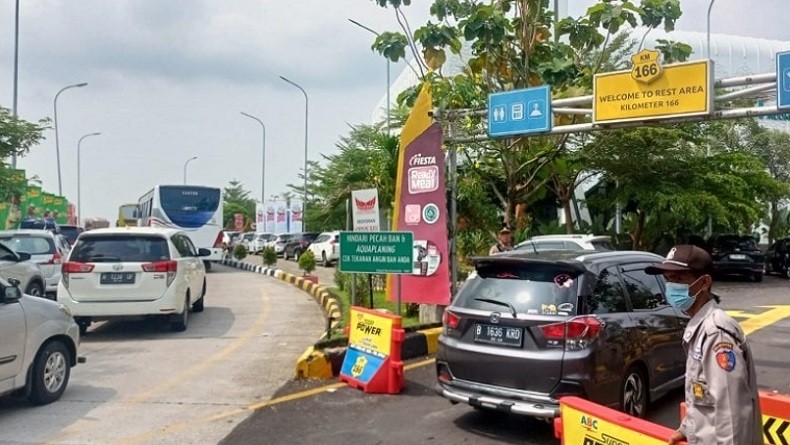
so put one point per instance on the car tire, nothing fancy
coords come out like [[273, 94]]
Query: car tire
[[324, 261], [198, 306], [758, 277], [83, 324], [634, 392], [180, 325], [35, 289], [51, 372], [785, 272]]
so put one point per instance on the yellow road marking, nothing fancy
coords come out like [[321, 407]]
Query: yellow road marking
[[176, 427], [741, 314], [765, 319]]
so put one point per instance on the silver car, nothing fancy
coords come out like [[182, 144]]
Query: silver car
[[47, 249], [18, 266], [39, 346]]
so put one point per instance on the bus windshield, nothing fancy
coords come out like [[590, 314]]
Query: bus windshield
[[187, 206]]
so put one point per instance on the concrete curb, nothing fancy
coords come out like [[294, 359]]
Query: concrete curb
[[324, 364], [329, 303]]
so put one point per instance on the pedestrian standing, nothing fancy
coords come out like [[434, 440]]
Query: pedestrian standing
[[722, 403], [505, 243]]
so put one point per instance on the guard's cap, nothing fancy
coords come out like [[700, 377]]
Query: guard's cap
[[683, 257]]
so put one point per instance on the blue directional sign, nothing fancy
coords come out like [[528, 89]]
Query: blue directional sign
[[519, 112], [783, 80]]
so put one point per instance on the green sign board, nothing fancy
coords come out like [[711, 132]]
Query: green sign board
[[376, 252]]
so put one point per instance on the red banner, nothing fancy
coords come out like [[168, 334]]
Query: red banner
[[422, 210]]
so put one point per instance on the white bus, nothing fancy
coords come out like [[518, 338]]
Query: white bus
[[196, 210]]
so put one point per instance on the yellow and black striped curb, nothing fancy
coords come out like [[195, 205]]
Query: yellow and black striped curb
[[329, 303], [324, 364]]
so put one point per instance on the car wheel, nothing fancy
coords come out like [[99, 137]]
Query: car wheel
[[35, 289], [324, 261], [198, 306], [84, 324], [51, 371], [180, 325], [634, 393], [785, 272], [758, 277]]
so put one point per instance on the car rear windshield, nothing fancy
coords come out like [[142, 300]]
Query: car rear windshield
[[530, 288], [602, 245], [732, 242], [32, 244], [120, 248]]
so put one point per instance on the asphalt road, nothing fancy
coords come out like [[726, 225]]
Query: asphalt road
[[335, 414], [145, 384]]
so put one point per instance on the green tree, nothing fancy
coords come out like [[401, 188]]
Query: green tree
[[237, 200], [17, 137]]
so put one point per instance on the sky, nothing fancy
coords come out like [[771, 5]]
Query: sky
[[169, 78]]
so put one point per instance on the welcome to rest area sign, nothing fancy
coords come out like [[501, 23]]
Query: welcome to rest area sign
[[376, 252]]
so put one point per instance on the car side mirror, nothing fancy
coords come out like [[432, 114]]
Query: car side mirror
[[23, 256], [204, 252], [11, 294]]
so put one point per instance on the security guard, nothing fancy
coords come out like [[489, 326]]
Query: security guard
[[722, 404]]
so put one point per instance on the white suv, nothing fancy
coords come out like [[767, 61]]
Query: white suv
[[326, 248], [46, 248], [134, 271], [38, 348], [574, 242]]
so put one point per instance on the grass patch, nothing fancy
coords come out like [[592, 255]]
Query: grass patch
[[379, 302]]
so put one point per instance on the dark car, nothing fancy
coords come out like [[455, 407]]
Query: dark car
[[71, 232], [530, 327], [297, 244], [737, 255], [40, 224], [777, 257]]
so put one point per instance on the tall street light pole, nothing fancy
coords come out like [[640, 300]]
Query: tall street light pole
[[708, 55], [710, 8], [388, 70], [16, 70], [185, 167], [79, 177], [263, 157], [306, 115], [57, 142]]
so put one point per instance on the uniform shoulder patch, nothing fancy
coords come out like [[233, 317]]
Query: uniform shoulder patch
[[726, 359]]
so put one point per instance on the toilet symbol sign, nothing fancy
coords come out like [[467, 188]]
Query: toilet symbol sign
[[518, 112]]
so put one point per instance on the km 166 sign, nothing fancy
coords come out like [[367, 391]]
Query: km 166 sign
[[649, 91]]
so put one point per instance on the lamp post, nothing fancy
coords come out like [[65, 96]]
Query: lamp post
[[388, 70], [185, 167], [57, 142], [79, 177], [263, 157], [710, 7], [306, 115], [16, 70]]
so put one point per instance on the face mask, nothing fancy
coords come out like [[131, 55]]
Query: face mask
[[678, 295]]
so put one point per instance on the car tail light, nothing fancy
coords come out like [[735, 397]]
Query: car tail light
[[70, 267], [450, 321], [57, 258], [577, 332], [218, 240], [443, 374], [169, 267]]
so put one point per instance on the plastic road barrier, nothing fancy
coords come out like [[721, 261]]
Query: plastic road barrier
[[373, 358], [582, 422], [776, 417]]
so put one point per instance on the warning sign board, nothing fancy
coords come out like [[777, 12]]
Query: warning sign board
[[649, 91]]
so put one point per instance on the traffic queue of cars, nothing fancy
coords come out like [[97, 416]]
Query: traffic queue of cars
[[107, 274]]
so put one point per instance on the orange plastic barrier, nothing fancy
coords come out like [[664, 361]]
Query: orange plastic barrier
[[373, 358], [582, 422], [776, 417]]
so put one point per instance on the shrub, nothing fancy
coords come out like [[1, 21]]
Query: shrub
[[239, 252], [269, 256], [307, 262]]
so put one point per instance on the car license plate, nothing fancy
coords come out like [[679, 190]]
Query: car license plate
[[499, 335], [737, 256], [118, 278]]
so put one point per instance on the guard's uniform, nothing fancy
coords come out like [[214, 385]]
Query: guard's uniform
[[722, 403]]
